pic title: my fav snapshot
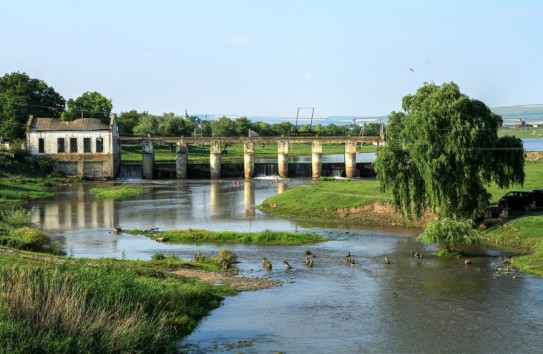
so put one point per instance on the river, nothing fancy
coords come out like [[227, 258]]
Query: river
[[423, 305]]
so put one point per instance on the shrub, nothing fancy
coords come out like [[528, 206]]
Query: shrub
[[158, 256], [199, 257], [16, 218], [226, 258], [45, 164], [31, 239], [450, 232]]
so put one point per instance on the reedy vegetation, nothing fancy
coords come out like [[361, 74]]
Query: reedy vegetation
[[72, 307]]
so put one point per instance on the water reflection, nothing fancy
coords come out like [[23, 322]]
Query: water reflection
[[412, 305], [75, 213], [83, 224], [249, 199]]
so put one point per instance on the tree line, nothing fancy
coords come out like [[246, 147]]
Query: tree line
[[22, 96]]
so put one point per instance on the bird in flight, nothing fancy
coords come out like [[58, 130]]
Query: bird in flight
[[411, 69]]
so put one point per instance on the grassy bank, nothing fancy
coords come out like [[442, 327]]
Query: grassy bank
[[266, 237], [89, 306], [362, 202], [116, 192], [19, 183], [329, 200], [53, 304], [524, 232], [324, 200]]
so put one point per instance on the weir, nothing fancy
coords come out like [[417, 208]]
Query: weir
[[249, 169]]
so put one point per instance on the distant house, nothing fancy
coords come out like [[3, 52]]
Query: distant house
[[84, 147]]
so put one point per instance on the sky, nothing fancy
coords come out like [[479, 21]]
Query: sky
[[268, 58]]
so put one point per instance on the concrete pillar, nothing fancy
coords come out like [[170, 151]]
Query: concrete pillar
[[215, 159], [249, 159], [316, 159], [148, 159], [350, 159], [181, 159], [282, 158]]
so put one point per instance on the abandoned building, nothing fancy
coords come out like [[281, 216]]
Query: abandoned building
[[85, 147]]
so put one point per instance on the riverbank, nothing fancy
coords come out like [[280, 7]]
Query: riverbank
[[104, 305], [97, 305], [361, 202]]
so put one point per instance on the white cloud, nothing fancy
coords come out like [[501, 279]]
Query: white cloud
[[308, 76]]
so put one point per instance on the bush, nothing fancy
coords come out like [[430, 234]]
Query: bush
[[158, 256], [450, 232], [226, 258], [16, 218], [45, 164], [199, 257], [30, 238]]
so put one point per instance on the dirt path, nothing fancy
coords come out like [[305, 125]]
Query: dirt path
[[229, 279]]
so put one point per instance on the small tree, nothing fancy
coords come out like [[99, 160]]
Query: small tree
[[449, 232]]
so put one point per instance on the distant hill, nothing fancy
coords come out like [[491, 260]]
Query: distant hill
[[528, 113]]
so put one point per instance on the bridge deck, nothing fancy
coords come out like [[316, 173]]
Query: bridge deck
[[259, 139]]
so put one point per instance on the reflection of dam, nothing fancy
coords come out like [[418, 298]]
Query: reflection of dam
[[76, 209], [75, 214]]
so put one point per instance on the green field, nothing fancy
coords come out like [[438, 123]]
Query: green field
[[522, 132]]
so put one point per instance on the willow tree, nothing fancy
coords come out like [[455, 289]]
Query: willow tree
[[442, 151]]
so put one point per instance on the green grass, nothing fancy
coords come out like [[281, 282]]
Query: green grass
[[200, 154], [522, 231], [116, 192], [88, 306], [321, 199], [266, 237], [522, 132], [533, 180], [18, 231]]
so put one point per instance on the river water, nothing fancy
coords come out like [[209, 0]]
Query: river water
[[427, 305]]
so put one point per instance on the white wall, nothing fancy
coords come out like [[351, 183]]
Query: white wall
[[52, 136]]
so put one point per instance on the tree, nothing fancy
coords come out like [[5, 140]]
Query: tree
[[20, 97], [442, 151], [89, 105], [147, 125], [282, 129], [128, 120], [372, 129], [242, 126], [449, 232], [223, 126], [171, 125]]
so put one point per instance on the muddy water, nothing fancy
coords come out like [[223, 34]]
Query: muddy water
[[423, 305]]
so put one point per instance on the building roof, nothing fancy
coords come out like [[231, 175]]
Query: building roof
[[53, 124]]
